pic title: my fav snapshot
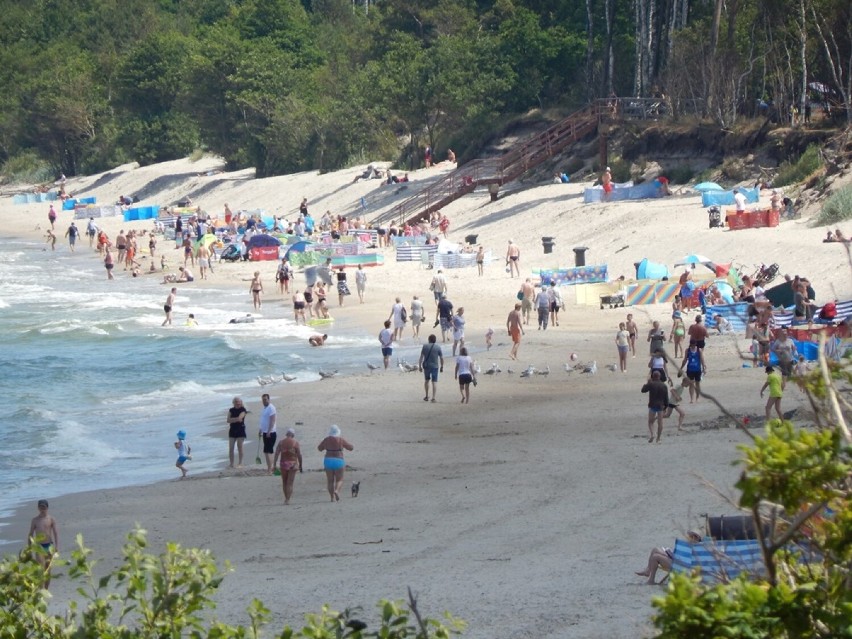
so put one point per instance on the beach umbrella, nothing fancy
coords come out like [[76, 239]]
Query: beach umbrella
[[707, 186], [695, 258]]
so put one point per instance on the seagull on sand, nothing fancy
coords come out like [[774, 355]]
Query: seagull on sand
[[611, 367], [529, 371], [327, 374], [372, 367], [286, 377], [546, 371], [591, 368]]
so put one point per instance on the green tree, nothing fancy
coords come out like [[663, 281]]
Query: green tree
[[798, 481]]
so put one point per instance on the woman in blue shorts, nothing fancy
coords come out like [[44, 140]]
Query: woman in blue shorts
[[334, 464]]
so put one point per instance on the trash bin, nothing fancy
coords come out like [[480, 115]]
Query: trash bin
[[580, 255], [470, 239], [547, 243]]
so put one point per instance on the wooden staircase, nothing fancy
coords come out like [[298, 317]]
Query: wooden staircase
[[525, 155]]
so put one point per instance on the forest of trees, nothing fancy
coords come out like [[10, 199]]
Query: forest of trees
[[284, 85]]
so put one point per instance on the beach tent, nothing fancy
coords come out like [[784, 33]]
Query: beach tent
[[782, 294], [263, 247], [726, 198], [707, 186], [718, 560], [648, 270]]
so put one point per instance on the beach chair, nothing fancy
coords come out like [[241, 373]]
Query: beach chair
[[732, 527], [718, 560]]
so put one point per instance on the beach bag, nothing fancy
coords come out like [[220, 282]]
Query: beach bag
[[520, 295], [403, 314], [829, 311]]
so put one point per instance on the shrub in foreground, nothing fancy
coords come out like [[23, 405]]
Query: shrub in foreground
[[165, 597]]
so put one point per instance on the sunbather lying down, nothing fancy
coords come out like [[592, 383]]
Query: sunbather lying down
[[837, 236], [662, 558]]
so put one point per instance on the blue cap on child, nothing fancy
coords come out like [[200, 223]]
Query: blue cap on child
[[181, 434]]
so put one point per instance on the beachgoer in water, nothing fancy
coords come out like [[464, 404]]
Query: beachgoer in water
[[256, 288]]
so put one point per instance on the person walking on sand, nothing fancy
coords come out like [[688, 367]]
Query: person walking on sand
[[622, 343], [267, 431], [290, 454], [416, 314], [458, 322], [236, 431], [658, 400], [515, 327], [444, 316], [513, 257], [184, 452], [44, 532], [334, 464], [167, 307], [695, 368], [464, 374], [361, 282], [438, 286], [527, 295], [51, 217], [675, 398], [431, 362], [542, 303], [203, 255], [256, 288], [606, 184], [656, 337], [397, 314], [775, 382], [386, 341], [480, 260]]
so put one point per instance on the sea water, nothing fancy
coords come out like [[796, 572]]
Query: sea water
[[95, 389]]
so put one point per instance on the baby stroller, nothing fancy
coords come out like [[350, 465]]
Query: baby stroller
[[231, 253], [715, 217]]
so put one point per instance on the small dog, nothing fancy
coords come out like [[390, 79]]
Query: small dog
[[356, 487]]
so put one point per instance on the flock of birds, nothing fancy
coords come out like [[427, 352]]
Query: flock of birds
[[590, 368]]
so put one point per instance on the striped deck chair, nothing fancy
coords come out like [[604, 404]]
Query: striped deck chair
[[718, 560]]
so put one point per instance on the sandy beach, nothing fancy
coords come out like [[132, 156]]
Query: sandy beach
[[525, 512]]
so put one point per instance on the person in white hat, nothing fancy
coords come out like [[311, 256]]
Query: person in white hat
[[334, 464]]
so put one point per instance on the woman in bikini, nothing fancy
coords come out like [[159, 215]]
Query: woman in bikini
[[320, 295], [256, 288], [290, 453], [677, 335], [334, 464]]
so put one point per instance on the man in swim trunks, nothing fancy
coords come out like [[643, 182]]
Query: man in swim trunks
[[513, 256], [236, 431], [121, 245], [431, 359], [290, 453], [515, 328], [44, 531], [698, 333], [632, 331], [167, 307], [203, 255], [658, 401]]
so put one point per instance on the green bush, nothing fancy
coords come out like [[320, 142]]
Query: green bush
[[169, 596], [680, 174], [734, 169], [837, 208], [26, 167], [794, 172]]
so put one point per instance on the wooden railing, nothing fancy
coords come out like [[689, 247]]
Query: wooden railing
[[525, 155]]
